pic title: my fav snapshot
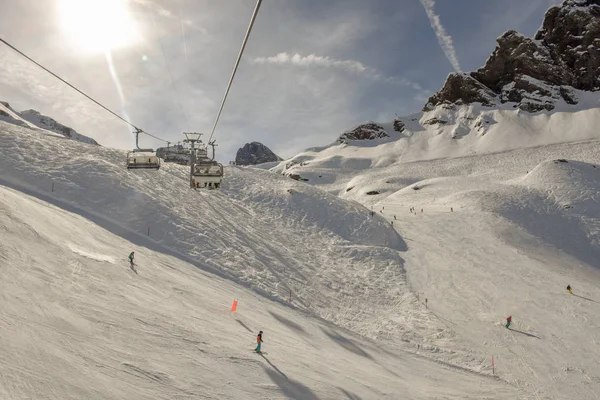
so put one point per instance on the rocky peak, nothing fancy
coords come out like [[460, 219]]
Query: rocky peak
[[368, 131], [399, 125], [463, 88], [536, 73], [255, 153]]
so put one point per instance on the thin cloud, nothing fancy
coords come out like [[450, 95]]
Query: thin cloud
[[349, 66], [444, 39], [155, 7]]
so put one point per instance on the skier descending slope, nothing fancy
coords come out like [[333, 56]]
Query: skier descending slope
[[258, 342], [569, 289], [131, 263], [508, 321]]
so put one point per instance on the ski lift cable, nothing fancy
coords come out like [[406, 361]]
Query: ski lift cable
[[162, 51], [79, 91], [237, 63]]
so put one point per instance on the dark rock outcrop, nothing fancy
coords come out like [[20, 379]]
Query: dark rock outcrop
[[368, 131], [255, 153], [462, 88], [3, 113], [536, 73], [399, 125]]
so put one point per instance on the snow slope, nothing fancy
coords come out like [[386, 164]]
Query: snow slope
[[45, 122], [77, 323], [510, 248], [500, 234], [263, 232], [449, 131]]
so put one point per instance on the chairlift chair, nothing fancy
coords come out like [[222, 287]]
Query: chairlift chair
[[205, 172], [142, 158], [207, 175], [174, 154]]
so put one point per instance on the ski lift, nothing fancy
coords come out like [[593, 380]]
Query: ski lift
[[174, 154], [142, 158], [207, 175], [205, 172]]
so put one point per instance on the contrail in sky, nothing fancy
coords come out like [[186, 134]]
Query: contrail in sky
[[445, 40]]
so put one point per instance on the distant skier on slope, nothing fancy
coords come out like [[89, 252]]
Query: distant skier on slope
[[569, 289], [508, 321], [131, 256], [258, 341]]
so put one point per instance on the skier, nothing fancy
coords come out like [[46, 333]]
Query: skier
[[258, 341], [131, 263], [508, 321], [569, 289]]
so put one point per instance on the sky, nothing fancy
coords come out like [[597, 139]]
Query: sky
[[311, 70]]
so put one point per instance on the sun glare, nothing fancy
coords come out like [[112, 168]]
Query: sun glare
[[98, 25]]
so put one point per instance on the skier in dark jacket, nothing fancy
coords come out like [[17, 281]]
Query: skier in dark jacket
[[508, 321], [569, 289], [258, 341]]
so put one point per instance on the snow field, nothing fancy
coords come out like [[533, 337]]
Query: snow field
[[263, 232], [77, 326], [511, 248], [501, 233]]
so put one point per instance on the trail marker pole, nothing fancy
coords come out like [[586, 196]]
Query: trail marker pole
[[234, 305], [52, 187], [290, 295], [493, 367], [148, 230]]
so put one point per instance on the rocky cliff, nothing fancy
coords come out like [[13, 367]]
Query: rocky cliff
[[535, 73], [368, 131], [255, 153]]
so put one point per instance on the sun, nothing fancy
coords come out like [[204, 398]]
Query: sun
[[98, 25]]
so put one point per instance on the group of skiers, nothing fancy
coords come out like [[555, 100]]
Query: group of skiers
[[509, 319], [259, 340]]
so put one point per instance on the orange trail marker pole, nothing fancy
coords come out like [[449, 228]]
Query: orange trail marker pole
[[234, 306]]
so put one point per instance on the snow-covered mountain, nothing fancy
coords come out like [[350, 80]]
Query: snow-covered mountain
[[531, 92], [34, 119], [50, 124]]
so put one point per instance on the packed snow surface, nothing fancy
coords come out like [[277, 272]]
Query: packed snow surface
[[398, 304], [498, 220], [77, 322]]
